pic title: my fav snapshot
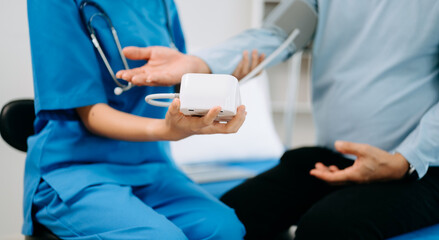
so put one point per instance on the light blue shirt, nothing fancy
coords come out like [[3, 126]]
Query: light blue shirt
[[375, 73]]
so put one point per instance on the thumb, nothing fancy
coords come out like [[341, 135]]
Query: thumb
[[356, 149], [137, 53], [174, 108]]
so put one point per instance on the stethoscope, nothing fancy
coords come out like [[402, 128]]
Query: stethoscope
[[88, 23]]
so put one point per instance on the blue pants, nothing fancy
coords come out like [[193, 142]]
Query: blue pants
[[170, 209]]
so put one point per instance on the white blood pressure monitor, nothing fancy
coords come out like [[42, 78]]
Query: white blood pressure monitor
[[201, 92]]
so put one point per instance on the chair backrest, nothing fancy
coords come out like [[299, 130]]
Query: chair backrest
[[16, 123]]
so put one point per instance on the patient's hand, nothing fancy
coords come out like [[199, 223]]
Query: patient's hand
[[372, 165], [247, 65], [179, 126], [165, 66]]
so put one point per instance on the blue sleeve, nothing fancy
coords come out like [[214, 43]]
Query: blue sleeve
[[177, 32], [224, 57], [421, 147], [65, 66]]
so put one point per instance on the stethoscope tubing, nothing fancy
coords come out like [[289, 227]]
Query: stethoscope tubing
[[89, 24], [101, 13]]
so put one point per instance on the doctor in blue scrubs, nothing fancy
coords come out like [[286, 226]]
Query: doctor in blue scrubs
[[99, 165]]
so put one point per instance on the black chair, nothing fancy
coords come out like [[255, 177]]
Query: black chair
[[16, 125], [17, 118]]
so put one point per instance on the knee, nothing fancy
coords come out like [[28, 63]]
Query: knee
[[314, 225], [324, 224], [229, 226], [167, 230], [222, 224]]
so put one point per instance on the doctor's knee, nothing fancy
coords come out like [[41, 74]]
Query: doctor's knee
[[221, 225]]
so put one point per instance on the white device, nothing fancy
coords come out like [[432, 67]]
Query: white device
[[201, 92]]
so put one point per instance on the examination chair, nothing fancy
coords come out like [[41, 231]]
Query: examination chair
[[16, 125]]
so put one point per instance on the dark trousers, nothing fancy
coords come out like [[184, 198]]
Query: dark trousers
[[287, 194]]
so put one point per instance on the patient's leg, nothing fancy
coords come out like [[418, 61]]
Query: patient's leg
[[271, 202]]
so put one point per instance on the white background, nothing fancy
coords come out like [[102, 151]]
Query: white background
[[16, 82]]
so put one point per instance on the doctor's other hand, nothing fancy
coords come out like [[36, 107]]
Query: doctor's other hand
[[372, 165], [179, 126], [248, 63], [165, 66]]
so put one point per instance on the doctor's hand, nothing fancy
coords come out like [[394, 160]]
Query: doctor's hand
[[165, 66], [248, 63], [372, 165], [179, 126]]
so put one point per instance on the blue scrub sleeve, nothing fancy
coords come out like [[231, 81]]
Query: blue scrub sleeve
[[224, 57], [421, 147], [65, 66], [177, 32]]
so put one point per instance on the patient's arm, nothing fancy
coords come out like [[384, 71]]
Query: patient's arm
[[103, 120], [248, 63]]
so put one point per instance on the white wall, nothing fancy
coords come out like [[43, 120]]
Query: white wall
[[16, 82], [208, 22]]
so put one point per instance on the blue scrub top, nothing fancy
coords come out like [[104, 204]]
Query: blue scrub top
[[69, 73]]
